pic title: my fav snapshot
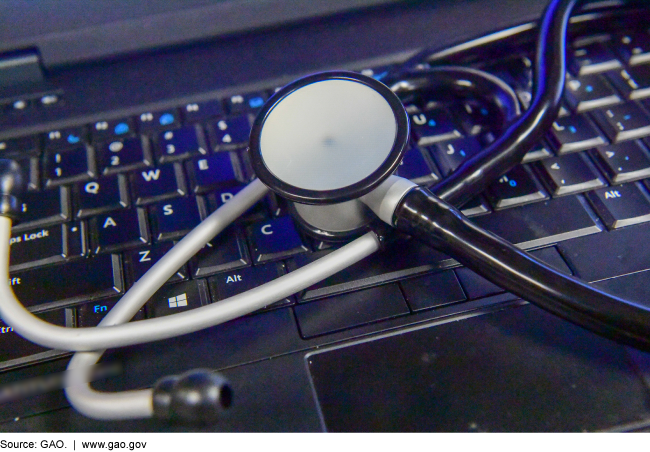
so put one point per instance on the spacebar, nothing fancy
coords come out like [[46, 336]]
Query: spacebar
[[57, 285], [540, 224]]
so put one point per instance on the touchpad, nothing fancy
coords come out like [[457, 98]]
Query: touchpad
[[519, 369]]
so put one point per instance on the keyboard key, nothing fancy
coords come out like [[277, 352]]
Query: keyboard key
[[589, 92], [432, 291], [350, 310], [225, 252], [30, 169], [574, 133], [77, 238], [633, 48], [14, 346], [539, 152], [218, 198], [180, 144], [19, 147], [124, 155], [69, 166], [158, 184], [100, 196], [592, 58], [119, 230], [44, 208], [624, 122], [417, 167], [37, 247], [137, 262], [90, 314], [174, 298], [633, 82], [225, 285], [615, 253], [218, 170], [107, 130], [623, 162], [63, 138], [274, 239], [476, 286], [542, 223], [174, 218], [79, 280], [621, 205], [569, 174], [433, 126], [243, 103], [153, 120], [231, 133], [199, 111], [474, 207], [451, 155], [478, 117], [516, 187]]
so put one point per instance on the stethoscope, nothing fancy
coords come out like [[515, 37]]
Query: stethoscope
[[330, 144]]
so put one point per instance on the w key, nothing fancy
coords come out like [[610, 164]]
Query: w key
[[158, 184]]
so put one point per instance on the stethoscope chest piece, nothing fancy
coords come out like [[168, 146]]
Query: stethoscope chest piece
[[328, 139]]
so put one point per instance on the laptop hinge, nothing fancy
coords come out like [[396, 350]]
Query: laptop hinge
[[20, 68]]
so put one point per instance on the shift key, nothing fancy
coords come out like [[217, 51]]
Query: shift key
[[80, 280]]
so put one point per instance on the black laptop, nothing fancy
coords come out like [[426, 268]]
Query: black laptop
[[131, 123]]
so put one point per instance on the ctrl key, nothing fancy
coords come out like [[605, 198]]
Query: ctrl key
[[14, 347]]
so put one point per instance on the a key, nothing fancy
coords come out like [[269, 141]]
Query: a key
[[124, 155], [574, 133], [243, 103], [432, 126], [181, 144], [100, 196], [90, 314], [152, 120], [218, 170], [633, 82], [569, 174], [228, 284], [43, 209], [137, 262], [119, 230], [231, 133], [226, 251], [350, 310], [13, 346], [539, 152], [592, 58], [19, 147], [274, 239], [474, 207], [64, 138], [417, 167], [432, 291], [158, 184], [37, 247], [173, 298], [623, 122], [199, 111], [108, 130], [516, 187], [589, 92], [633, 48], [621, 205], [451, 155], [623, 162], [78, 280], [70, 165], [174, 218]]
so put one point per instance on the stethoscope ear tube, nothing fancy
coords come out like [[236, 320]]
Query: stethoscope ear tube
[[441, 226]]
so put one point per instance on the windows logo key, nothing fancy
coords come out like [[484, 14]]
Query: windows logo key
[[178, 301]]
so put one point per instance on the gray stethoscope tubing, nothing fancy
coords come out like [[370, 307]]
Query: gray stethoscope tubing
[[111, 334]]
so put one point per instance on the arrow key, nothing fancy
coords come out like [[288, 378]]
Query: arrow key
[[621, 205], [569, 174], [623, 162]]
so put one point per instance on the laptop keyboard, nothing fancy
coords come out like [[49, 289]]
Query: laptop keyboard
[[107, 199]]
